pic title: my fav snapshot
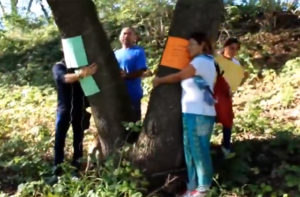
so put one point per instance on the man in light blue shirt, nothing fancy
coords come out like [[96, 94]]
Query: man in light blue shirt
[[132, 62]]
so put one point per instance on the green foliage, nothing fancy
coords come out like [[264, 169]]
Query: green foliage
[[259, 167], [26, 142], [246, 59], [233, 14], [116, 177], [28, 57], [287, 95], [268, 97], [254, 12], [270, 5], [133, 126], [25, 133], [14, 22], [291, 68], [238, 13]]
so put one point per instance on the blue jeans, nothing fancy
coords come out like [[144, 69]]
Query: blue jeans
[[197, 130], [62, 124]]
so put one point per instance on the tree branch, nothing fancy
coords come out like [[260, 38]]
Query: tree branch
[[29, 6], [44, 11], [169, 180], [2, 9]]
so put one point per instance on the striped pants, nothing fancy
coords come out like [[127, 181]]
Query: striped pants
[[197, 131]]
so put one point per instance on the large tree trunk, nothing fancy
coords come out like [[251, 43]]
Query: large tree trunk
[[14, 7], [111, 105], [160, 143]]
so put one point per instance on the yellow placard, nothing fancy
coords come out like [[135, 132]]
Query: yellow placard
[[176, 54], [233, 73]]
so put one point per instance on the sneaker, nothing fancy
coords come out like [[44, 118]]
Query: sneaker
[[197, 193], [227, 153], [194, 193], [57, 170], [75, 175], [51, 180], [186, 194]]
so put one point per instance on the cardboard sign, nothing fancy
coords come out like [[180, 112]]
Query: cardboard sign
[[89, 86], [74, 52], [176, 54], [75, 57], [233, 73]]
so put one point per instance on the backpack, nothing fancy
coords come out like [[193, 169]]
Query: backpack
[[222, 96]]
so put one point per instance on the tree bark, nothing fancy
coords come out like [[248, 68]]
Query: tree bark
[[13, 6], [111, 105], [159, 147]]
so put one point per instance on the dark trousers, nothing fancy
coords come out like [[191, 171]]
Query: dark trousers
[[62, 125], [226, 138], [137, 110], [132, 136]]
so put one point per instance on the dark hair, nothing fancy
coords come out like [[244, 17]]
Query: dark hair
[[231, 41], [202, 37]]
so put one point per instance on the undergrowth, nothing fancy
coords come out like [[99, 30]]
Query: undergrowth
[[265, 134]]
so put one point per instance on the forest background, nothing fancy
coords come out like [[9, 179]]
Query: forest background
[[266, 134]]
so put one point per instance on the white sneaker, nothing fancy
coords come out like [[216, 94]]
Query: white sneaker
[[194, 193], [227, 153], [186, 194]]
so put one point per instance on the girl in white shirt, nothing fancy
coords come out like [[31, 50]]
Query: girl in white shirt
[[197, 115]]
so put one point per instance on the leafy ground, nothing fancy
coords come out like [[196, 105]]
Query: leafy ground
[[265, 139]]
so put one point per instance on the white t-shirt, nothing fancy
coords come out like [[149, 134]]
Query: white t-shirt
[[192, 96]]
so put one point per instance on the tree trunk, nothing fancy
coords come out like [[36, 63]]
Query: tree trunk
[[13, 7], [2, 9], [159, 147], [29, 6], [111, 105]]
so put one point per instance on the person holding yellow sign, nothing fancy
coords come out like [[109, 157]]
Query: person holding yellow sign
[[233, 74]]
